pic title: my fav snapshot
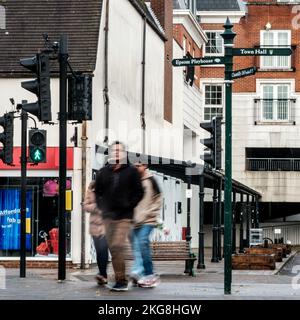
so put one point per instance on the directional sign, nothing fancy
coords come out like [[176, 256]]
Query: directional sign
[[243, 73], [197, 61], [261, 51]]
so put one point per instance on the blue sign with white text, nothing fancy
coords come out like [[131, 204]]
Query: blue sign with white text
[[10, 219]]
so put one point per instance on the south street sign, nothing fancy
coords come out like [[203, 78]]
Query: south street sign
[[197, 61], [243, 73], [261, 51]]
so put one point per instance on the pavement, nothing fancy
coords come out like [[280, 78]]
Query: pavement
[[208, 283]]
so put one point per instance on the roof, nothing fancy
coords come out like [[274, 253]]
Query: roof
[[26, 21], [145, 10], [217, 5]]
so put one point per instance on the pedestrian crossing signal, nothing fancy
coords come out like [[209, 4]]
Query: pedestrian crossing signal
[[37, 146]]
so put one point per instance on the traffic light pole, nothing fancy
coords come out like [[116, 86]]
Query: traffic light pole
[[24, 118], [228, 37], [201, 264], [63, 65]]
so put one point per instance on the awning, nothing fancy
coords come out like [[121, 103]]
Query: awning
[[185, 171]]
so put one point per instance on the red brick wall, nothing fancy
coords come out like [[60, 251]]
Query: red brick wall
[[179, 32], [248, 36], [164, 12]]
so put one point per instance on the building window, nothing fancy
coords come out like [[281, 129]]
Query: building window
[[278, 39], [2, 17], [275, 104], [273, 159], [213, 101], [215, 44]]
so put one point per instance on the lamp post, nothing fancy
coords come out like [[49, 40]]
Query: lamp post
[[228, 37]]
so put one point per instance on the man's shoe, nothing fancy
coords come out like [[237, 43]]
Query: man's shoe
[[150, 281], [100, 280], [119, 286]]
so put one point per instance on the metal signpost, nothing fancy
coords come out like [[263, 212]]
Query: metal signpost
[[230, 75]]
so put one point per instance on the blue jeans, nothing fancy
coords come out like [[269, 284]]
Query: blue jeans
[[102, 254], [142, 265]]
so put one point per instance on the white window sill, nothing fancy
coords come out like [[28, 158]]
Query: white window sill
[[276, 123], [275, 70]]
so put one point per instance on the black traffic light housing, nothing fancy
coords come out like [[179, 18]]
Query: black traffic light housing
[[39, 64], [7, 138], [214, 143], [80, 97], [190, 71], [37, 146]]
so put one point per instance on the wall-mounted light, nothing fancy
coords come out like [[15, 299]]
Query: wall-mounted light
[[268, 26]]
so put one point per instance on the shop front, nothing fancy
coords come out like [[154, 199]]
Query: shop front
[[42, 205]]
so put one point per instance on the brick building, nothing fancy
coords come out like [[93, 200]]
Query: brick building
[[266, 150]]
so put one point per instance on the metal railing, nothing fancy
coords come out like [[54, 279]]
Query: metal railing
[[273, 164], [275, 110], [289, 232]]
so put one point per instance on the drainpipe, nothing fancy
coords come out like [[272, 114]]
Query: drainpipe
[[105, 90], [83, 189], [143, 121]]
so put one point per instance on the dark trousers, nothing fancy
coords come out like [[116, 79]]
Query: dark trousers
[[102, 254]]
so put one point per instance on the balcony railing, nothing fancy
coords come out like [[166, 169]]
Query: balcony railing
[[275, 111], [273, 164]]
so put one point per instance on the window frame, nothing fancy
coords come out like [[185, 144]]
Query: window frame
[[205, 54], [210, 106], [275, 98], [262, 58]]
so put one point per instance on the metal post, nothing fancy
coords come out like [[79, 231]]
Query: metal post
[[24, 118], [215, 227], [253, 212], [228, 37], [241, 250], [83, 189], [220, 221], [248, 216], [188, 225], [201, 264], [63, 58], [233, 222], [256, 212]]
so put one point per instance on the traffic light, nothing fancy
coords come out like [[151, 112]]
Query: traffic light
[[37, 146], [7, 137], [80, 97], [39, 64], [214, 143], [190, 72]]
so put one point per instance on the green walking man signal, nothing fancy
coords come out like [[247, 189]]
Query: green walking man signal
[[37, 146]]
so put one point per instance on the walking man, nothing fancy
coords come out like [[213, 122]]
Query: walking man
[[118, 190]]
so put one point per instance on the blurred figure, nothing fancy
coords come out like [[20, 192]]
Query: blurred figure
[[118, 191], [97, 231], [146, 216]]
